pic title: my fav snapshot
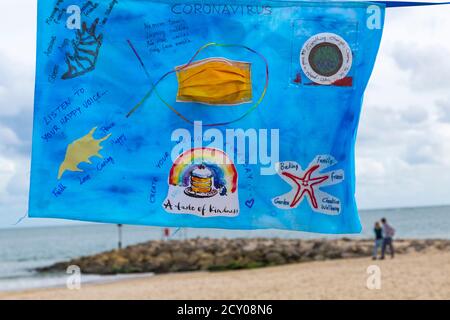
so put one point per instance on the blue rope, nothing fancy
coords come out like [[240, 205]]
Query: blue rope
[[397, 4], [176, 231], [21, 219]]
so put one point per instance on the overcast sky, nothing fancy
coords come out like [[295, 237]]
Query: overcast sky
[[403, 146]]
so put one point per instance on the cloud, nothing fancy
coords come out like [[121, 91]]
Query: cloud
[[15, 84], [403, 143], [428, 67], [415, 115], [8, 137], [16, 105], [444, 110], [7, 172], [368, 169]]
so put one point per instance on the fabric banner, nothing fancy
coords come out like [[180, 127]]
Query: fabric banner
[[210, 114]]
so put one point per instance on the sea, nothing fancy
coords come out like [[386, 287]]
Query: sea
[[23, 249]]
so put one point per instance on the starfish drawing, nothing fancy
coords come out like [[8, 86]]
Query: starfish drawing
[[305, 185], [308, 184]]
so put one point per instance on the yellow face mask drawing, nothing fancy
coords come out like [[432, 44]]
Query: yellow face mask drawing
[[215, 81]]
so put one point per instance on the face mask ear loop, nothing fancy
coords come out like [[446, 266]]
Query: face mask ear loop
[[153, 88]]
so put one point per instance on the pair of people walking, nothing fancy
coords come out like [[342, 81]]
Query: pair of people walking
[[384, 235]]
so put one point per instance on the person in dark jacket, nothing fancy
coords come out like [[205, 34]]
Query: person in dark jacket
[[388, 235], [378, 231]]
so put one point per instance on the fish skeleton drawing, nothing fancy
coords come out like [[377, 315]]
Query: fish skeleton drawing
[[80, 151], [86, 48]]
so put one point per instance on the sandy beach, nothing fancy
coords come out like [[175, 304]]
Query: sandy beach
[[409, 276]]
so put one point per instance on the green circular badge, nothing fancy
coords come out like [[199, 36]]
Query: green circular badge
[[326, 58]]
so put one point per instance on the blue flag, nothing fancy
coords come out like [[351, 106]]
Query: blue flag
[[219, 114]]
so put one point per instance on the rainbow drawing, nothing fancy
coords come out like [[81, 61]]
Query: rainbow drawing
[[223, 169]]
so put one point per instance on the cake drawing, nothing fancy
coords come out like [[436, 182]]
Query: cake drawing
[[203, 181]]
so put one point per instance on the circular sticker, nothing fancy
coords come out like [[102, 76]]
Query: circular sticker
[[326, 58]]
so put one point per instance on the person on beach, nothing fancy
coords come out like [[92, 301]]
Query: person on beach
[[378, 239], [388, 235]]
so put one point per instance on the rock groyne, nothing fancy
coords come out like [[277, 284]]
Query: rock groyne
[[229, 254]]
